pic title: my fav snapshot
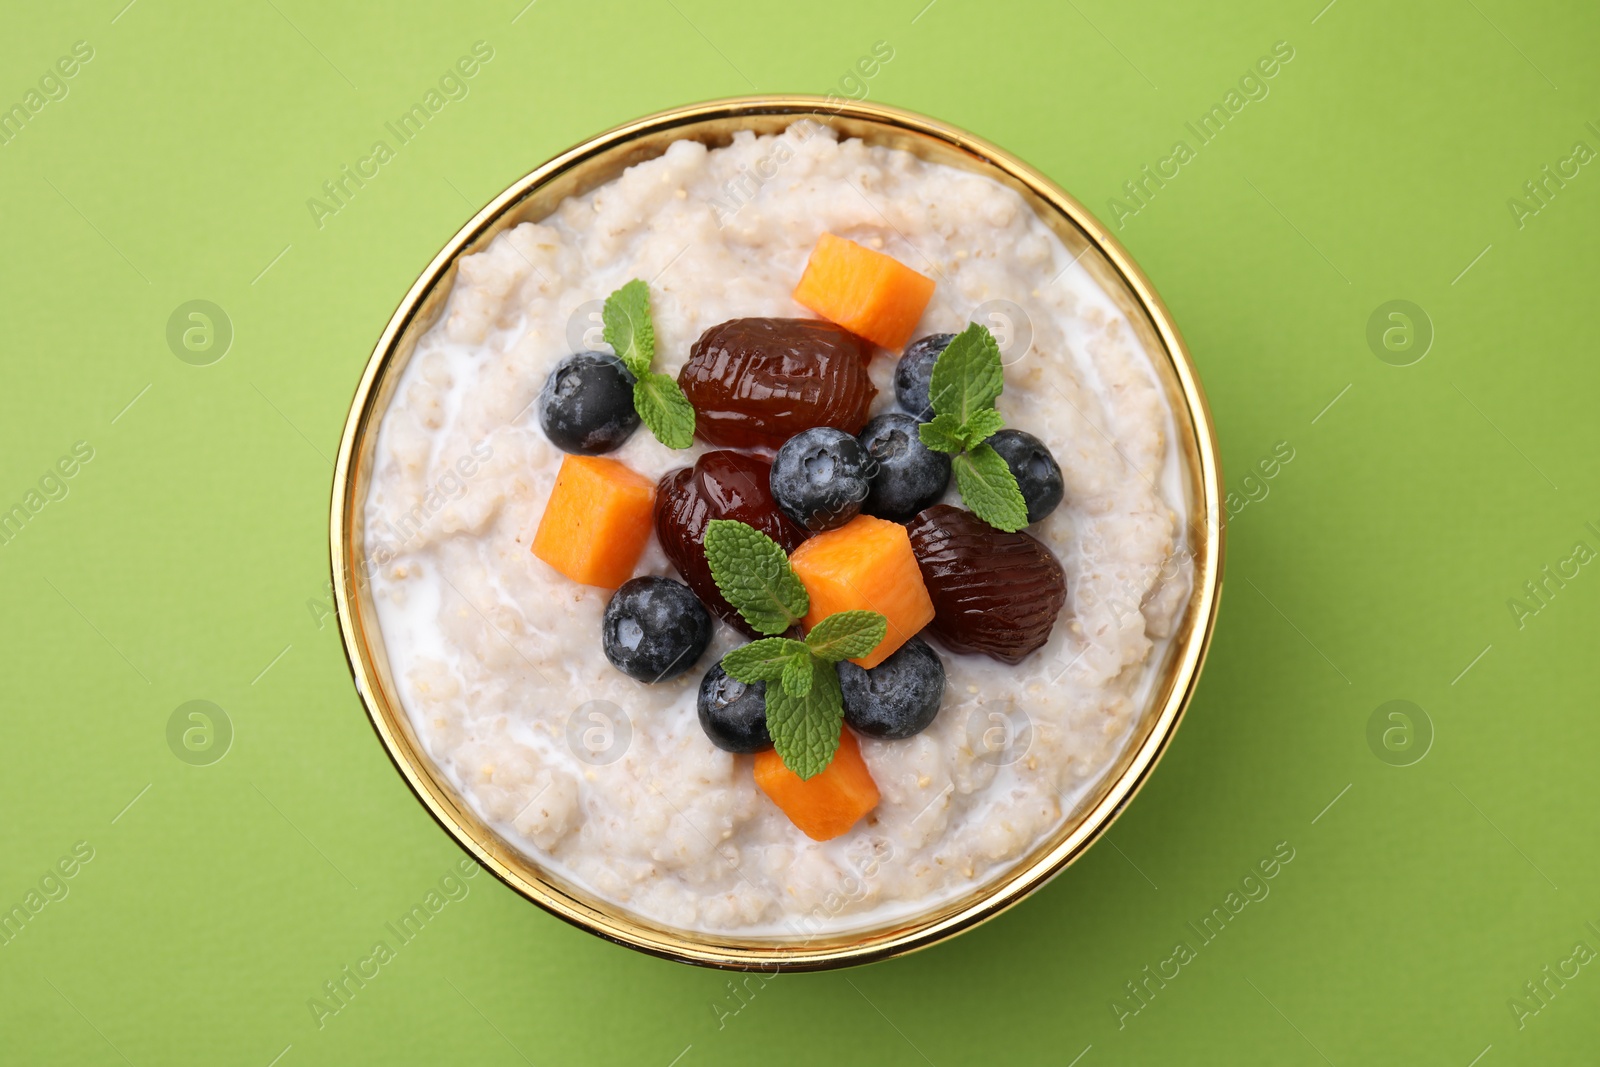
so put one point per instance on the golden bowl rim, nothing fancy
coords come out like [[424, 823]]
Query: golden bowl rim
[[731, 951]]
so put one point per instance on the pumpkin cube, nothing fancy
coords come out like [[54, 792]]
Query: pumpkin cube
[[868, 293], [866, 563], [597, 522]]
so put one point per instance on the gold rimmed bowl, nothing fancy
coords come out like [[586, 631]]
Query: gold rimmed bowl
[[597, 161]]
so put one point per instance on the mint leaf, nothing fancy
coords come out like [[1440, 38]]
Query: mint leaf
[[967, 375], [751, 570], [805, 728], [984, 424], [764, 660], [632, 336], [847, 635], [943, 434], [989, 488], [628, 330], [663, 407], [797, 675]]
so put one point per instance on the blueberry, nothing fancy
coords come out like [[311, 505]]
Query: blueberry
[[897, 698], [654, 629], [586, 405], [733, 714], [819, 478], [914, 373], [1037, 472], [907, 475]]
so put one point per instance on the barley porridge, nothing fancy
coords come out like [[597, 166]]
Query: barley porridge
[[613, 782]]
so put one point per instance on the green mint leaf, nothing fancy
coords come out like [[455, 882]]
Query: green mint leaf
[[989, 489], [764, 660], [805, 728], [967, 375], [847, 635], [663, 407], [943, 434], [628, 330], [984, 424], [797, 675], [656, 397], [752, 571]]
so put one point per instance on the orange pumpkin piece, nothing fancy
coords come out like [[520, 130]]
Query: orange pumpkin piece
[[866, 563], [828, 804], [597, 522], [868, 293]]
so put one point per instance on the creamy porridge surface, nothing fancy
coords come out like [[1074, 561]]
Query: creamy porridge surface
[[612, 783]]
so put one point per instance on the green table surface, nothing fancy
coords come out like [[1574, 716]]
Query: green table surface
[[1438, 905]]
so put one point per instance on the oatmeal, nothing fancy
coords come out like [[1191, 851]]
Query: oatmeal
[[611, 781]]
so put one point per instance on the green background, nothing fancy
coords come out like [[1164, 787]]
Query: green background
[[188, 560]]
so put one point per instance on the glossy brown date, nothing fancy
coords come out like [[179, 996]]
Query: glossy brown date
[[993, 592], [757, 382], [721, 485]]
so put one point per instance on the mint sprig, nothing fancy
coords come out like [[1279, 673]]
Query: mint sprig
[[967, 378], [805, 709], [753, 572], [847, 635], [632, 336], [628, 329], [763, 660], [987, 486], [805, 726], [663, 407]]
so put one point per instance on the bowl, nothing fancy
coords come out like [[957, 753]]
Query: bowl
[[596, 161]]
